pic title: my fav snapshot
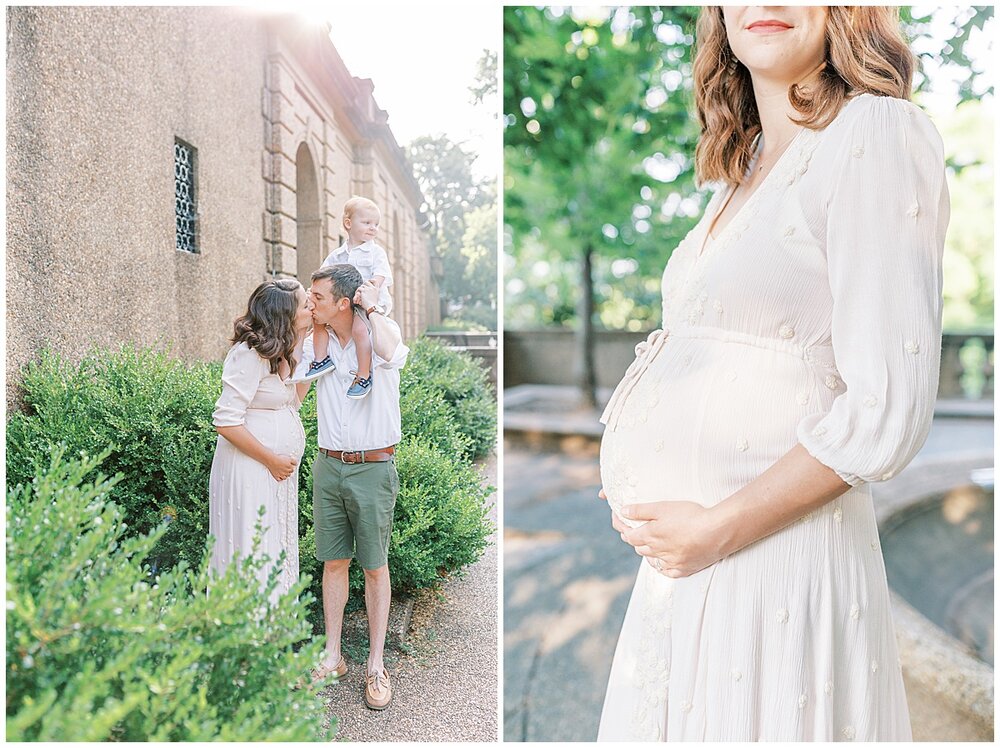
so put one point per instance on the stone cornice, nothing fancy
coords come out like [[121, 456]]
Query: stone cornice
[[350, 98]]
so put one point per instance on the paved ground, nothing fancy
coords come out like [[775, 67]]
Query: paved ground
[[444, 675], [568, 577]]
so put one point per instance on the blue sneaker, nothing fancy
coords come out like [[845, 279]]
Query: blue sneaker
[[360, 388], [318, 369]]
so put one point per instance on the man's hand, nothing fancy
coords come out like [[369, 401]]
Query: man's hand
[[682, 534], [366, 295]]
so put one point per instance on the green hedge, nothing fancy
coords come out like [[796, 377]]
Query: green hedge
[[463, 385], [151, 413], [100, 648], [153, 416]]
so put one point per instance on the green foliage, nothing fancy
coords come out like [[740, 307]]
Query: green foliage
[[951, 51], [444, 171], [152, 415], [463, 385], [968, 251], [99, 648], [470, 280], [440, 523], [485, 84], [598, 153], [427, 416], [462, 215]]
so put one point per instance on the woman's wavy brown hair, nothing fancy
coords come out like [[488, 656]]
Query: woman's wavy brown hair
[[268, 326], [865, 53]]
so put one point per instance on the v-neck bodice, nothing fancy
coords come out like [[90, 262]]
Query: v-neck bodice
[[729, 191]]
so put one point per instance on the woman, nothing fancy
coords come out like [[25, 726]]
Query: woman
[[798, 362], [260, 435]]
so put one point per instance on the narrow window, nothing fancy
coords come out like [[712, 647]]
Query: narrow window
[[186, 207]]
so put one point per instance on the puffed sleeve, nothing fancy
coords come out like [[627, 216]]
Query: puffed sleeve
[[381, 265], [888, 211], [241, 374]]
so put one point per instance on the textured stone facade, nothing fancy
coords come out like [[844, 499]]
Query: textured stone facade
[[96, 97]]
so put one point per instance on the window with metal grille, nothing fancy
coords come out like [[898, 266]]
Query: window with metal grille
[[186, 207]]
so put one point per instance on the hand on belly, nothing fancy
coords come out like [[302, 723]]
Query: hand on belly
[[678, 538]]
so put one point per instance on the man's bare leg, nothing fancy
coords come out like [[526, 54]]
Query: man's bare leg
[[335, 590], [378, 595]]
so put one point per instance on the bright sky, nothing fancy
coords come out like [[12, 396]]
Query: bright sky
[[422, 58]]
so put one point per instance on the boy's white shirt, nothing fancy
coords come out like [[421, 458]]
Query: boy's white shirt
[[370, 260]]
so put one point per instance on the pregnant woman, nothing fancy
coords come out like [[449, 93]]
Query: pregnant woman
[[798, 362], [260, 435]]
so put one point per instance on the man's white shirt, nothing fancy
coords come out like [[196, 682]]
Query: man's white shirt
[[370, 423]]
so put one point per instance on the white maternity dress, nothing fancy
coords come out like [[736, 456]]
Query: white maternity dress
[[239, 485], [814, 317]]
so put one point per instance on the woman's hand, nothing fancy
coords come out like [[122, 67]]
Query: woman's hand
[[281, 466], [682, 535]]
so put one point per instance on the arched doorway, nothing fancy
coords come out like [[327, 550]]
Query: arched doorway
[[308, 224]]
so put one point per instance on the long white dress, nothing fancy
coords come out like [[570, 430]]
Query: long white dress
[[239, 485], [813, 317]]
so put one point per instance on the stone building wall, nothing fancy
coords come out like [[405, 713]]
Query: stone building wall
[[329, 141], [96, 97]]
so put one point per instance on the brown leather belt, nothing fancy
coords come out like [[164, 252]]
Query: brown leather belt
[[362, 455]]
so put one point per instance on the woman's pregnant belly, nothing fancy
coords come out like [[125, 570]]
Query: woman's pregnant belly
[[278, 430], [706, 418]]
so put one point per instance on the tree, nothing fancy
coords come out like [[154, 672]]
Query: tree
[[485, 85], [597, 134], [952, 51], [444, 172], [470, 280], [451, 192], [458, 207]]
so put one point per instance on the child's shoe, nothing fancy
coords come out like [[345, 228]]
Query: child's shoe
[[360, 388], [317, 369]]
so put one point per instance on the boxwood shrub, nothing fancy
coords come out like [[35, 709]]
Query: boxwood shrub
[[463, 385], [99, 647], [151, 414]]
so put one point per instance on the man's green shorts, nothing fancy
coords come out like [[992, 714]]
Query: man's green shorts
[[353, 504]]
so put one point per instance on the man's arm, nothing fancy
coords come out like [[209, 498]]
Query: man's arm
[[385, 333]]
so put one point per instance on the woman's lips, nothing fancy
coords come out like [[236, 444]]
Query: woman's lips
[[767, 27]]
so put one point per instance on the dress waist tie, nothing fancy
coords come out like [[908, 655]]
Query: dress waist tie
[[645, 352]]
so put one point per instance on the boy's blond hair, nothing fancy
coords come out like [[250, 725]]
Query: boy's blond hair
[[355, 204]]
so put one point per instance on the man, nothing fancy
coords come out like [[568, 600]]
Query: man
[[354, 476]]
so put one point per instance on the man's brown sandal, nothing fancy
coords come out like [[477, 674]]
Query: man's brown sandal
[[324, 671], [378, 690]]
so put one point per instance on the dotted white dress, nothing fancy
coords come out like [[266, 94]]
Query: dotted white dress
[[239, 485], [813, 317]]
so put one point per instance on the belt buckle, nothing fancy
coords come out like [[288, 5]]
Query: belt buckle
[[343, 457]]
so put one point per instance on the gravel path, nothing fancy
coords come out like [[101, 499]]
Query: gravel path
[[444, 676]]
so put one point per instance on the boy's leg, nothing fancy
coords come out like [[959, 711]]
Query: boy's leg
[[321, 363], [362, 344], [321, 342]]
